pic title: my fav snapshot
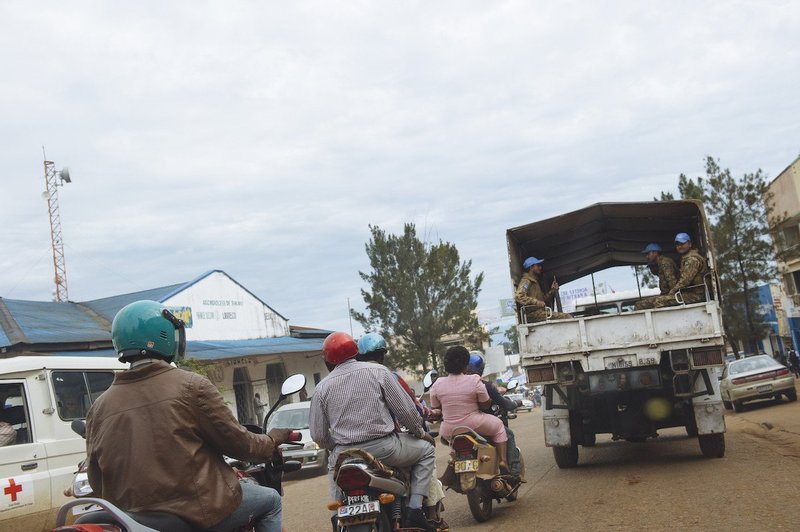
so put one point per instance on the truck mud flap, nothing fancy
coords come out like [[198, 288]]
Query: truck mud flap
[[707, 405], [556, 418]]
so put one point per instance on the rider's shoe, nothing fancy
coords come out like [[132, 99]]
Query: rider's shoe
[[440, 525], [415, 518]]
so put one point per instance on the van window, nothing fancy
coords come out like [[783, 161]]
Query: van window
[[14, 422], [77, 390]]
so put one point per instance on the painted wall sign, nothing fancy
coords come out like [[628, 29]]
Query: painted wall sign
[[183, 313]]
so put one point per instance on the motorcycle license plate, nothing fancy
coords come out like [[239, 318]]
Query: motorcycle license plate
[[466, 466], [359, 509]]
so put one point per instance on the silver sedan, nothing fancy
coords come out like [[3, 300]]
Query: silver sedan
[[752, 378]]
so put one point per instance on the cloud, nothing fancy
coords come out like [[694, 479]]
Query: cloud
[[264, 138]]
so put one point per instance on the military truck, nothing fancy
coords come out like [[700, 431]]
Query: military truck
[[627, 374]]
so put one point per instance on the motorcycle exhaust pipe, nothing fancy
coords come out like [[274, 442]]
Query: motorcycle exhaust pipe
[[501, 487]]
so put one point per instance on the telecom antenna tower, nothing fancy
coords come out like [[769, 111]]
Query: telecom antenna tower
[[53, 180]]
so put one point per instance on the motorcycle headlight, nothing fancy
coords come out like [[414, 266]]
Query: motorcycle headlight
[[311, 446], [80, 485]]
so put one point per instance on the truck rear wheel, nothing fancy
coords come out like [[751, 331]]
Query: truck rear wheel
[[712, 445], [566, 457]]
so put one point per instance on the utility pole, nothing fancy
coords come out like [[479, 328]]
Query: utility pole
[[54, 179]]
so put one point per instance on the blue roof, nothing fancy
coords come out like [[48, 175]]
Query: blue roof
[[227, 349], [54, 322], [72, 325], [109, 306]]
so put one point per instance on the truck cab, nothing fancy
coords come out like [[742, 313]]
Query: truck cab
[[620, 371], [39, 398]]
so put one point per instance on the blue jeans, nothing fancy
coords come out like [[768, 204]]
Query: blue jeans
[[260, 503]]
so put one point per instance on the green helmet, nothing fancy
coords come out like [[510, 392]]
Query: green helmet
[[148, 328]]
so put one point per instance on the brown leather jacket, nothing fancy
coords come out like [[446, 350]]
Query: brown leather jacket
[[155, 441]]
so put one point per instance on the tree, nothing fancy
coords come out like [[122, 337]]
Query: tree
[[512, 335], [738, 212], [420, 296]]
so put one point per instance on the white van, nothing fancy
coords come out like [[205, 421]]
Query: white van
[[39, 398]]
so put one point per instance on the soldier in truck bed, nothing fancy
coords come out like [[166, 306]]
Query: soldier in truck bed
[[529, 292], [691, 282], [662, 266]]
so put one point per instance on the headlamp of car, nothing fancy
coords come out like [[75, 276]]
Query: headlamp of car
[[311, 446], [80, 485]]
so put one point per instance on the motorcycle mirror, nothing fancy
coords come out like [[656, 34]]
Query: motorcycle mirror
[[429, 379], [511, 385], [293, 384], [78, 426]]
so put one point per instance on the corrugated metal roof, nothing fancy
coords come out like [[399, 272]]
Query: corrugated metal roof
[[109, 306], [226, 349], [43, 322], [4, 341]]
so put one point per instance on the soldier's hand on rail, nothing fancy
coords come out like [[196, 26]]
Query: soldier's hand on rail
[[554, 286]]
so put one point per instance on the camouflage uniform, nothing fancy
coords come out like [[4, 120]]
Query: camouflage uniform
[[667, 278], [693, 271], [529, 292]]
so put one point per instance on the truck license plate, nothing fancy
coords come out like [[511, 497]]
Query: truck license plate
[[764, 388], [620, 362], [466, 466], [359, 509]]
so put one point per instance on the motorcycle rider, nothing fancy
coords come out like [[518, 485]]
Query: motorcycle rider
[[156, 438], [356, 406], [461, 398], [372, 348], [476, 366]]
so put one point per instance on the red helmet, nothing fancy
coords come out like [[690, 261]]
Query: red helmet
[[338, 347]]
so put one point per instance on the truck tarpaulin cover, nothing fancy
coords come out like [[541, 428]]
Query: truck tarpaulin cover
[[605, 235]]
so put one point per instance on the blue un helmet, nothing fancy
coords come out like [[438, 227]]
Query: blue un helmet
[[530, 261], [682, 238], [371, 342], [476, 364], [651, 247]]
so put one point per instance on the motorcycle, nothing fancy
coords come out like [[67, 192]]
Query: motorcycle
[[98, 514], [473, 469], [374, 495]]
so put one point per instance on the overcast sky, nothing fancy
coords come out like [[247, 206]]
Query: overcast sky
[[262, 138]]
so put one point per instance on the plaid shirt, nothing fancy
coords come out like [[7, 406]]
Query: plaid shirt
[[359, 402]]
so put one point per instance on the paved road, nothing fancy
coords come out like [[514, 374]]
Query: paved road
[[663, 484]]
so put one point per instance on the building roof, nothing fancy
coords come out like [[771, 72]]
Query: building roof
[[84, 329], [207, 351], [49, 322]]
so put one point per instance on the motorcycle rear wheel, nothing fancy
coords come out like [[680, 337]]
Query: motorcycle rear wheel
[[480, 503], [383, 524]]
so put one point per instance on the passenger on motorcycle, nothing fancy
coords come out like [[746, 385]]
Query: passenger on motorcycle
[[156, 438], [461, 398], [356, 405], [475, 367], [372, 348]]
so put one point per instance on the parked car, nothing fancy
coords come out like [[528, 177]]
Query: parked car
[[755, 377], [295, 416], [527, 404]]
